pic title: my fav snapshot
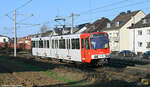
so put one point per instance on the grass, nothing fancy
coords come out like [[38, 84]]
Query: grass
[[148, 65], [49, 73]]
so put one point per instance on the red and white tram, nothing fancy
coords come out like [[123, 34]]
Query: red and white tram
[[87, 47]]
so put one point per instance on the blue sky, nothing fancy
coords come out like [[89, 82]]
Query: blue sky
[[46, 10]]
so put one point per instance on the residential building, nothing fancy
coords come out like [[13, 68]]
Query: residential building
[[140, 35], [97, 26], [57, 31], [24, 43], [47, 33], [119, 34], [81, 28], [4, 39], [66, 30]]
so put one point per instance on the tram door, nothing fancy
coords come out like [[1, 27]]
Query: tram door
[[85, 49]]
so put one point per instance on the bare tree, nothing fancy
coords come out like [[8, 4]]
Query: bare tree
[[44, 28]]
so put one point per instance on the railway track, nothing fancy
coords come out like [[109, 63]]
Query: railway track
[[112, 69]]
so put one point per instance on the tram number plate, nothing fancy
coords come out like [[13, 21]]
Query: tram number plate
[[101, 56]]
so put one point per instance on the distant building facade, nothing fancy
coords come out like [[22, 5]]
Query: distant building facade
[[119, 34], [140, 35], [4, 39]]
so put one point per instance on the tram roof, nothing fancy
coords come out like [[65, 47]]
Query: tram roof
[[57, 37]]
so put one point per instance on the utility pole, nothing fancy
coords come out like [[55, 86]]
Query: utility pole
[[134, 34], [72, 26], [15, 23], [15, 39]]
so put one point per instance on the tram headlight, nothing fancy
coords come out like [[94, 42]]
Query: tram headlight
[[107, 55]]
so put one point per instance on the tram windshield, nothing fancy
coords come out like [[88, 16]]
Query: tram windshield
[[99, 41]]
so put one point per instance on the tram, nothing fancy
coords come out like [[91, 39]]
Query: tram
[[87, 47]]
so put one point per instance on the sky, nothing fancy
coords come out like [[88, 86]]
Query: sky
[[33, 15]]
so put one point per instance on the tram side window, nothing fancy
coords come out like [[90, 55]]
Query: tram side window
[[47, 43], [33, 44], [53, 44], [82, 43], [75, 44], [56, 43], [87, 46], [36, 44], [40, 44], [68, 43], [62, 44]]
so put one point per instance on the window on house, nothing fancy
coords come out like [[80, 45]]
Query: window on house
[[148, 45], [139, 44], [148, 20], [108, 25], [4, 40], [75, 44], [110, 37], [117, 24], [132, 25], [110, 34], [139, 32], [117, 34], [144, 21], [110, 41], [62, 43], [148, 31]]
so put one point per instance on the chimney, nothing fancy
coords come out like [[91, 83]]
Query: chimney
[[129, 11], [122, 13]]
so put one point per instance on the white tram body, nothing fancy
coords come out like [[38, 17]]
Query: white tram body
[[54, 50]]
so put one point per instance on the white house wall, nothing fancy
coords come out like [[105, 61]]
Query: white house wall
[[144, 38], [2, 39], [125, 33]]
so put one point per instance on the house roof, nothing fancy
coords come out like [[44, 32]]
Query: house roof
[[141, 24], [98, 25], [47, 33], [58, 30], [3, 36], [67, 28], [35, 35], [79, 27], [82, 25], [122, 18]]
